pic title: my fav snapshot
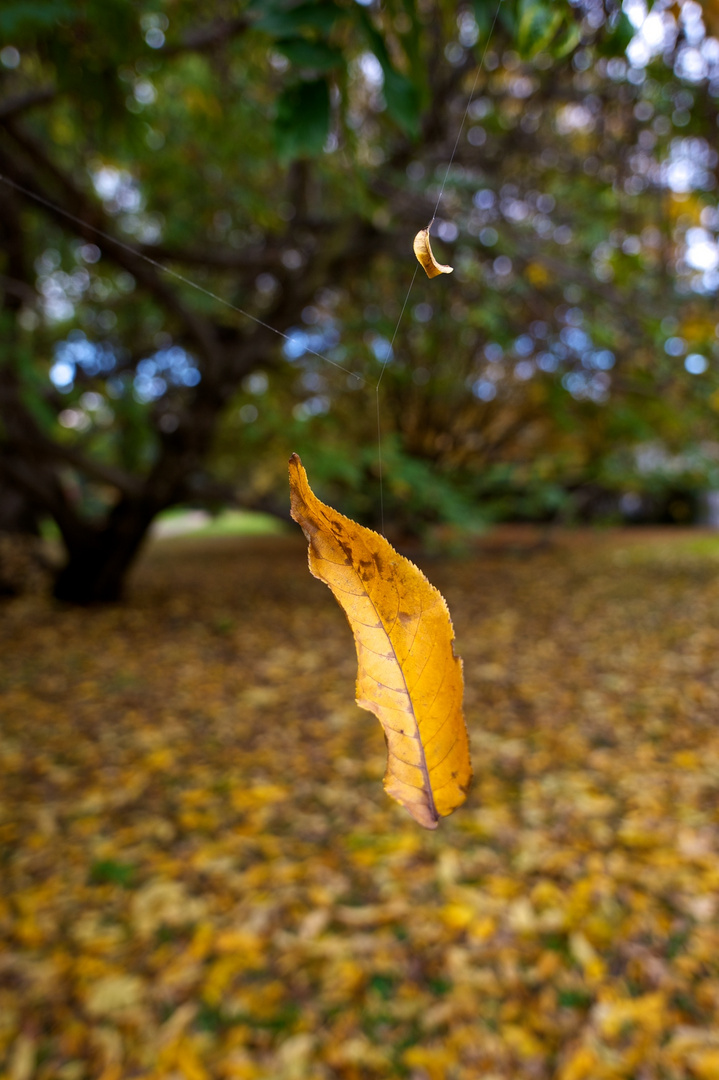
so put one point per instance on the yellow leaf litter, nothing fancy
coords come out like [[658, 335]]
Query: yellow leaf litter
[[201, 876]]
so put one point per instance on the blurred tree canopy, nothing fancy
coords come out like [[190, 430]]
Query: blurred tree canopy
[[281, 156]]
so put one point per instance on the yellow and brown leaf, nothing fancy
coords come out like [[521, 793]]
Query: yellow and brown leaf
[[408, 674]]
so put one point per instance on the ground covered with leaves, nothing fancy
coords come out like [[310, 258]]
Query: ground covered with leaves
[[201, 876]]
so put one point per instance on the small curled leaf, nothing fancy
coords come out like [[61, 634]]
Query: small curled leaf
[[423, 251]]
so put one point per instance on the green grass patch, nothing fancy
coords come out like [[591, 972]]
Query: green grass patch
[[111, 872], [183, 522]]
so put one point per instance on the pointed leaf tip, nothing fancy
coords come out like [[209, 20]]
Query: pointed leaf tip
[[407, 673]]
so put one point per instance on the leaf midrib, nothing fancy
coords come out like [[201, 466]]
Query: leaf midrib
[[417, 735]]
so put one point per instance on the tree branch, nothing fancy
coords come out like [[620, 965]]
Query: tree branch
[[95, 470], [84, 213], [203, 38], [14, 106], [19, 289], [44, 487]]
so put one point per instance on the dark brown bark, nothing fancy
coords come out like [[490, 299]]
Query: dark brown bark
[[97, 565], [18, 513]]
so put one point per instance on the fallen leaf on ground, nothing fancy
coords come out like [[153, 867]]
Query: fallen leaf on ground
[[408, 675]]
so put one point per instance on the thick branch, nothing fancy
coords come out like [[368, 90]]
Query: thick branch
[[14, 106], [44, 487], [95, 470], [20, 289], [82, 214], [202, 38], [249, 261]]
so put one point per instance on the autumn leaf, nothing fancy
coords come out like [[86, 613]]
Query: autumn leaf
[[423, 250], [408, 675]]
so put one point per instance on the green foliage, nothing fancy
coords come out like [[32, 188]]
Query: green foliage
[[310, 54], [402, 96], [20, 17], [280, 18], [538, 25], [303, 119], [618, 37]]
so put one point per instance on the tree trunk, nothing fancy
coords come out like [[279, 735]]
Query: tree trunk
[[17, 512], [97, 566]]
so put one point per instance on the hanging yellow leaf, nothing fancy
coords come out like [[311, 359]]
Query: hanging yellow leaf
[[407, 675], [423, 251]]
